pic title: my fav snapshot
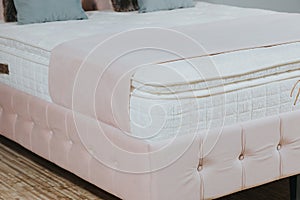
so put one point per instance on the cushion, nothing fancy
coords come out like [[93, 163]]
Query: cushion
[[125, 5], [155, 5], [38, 11], [9, 11]]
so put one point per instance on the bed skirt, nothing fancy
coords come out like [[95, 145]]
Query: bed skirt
[[213, 164]]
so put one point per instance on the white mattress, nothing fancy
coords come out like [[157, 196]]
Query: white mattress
[[251, 84]]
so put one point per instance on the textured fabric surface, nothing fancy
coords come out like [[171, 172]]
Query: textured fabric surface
[[155, 5], [26, 169], [37, 11], [165, 118], [202, 172]]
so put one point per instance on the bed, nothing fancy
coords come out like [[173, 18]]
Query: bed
[[179, 133]]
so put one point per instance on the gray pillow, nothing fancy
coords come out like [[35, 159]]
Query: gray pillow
[[155, 5], [38, 11]]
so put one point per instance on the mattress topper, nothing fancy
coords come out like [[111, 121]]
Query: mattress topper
[[231, 69]]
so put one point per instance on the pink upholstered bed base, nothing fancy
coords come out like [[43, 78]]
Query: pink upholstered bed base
[[245, 155]]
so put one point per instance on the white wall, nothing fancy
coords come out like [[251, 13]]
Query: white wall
[[279, 5]]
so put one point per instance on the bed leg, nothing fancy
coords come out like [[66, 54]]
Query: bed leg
[[295, 187]]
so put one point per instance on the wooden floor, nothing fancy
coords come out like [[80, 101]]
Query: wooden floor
[[24, 175]]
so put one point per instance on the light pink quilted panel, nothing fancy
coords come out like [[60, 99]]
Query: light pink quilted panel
[[49, 131], [209, 165], [219, 162], [290, 144]]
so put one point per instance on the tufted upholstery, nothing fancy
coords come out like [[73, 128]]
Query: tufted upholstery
[[215, 163], [49, 131]]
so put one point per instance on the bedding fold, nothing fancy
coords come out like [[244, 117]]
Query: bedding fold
[[92, 75]]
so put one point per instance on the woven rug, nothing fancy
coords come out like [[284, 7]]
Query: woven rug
[[25, 176]]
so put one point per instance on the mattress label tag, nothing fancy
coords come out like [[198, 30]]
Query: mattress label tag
[[4, 68]]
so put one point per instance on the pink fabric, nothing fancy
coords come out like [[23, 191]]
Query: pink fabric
[[213, 164], [92, 75]]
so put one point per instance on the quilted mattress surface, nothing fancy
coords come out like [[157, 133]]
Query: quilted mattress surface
[[250, 84]]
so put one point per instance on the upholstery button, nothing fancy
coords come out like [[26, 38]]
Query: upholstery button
[[199, 168], [200, 165], [241, 157], [278, 147], [71, 142]]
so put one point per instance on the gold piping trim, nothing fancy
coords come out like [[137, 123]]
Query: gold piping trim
[[298, 93]]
